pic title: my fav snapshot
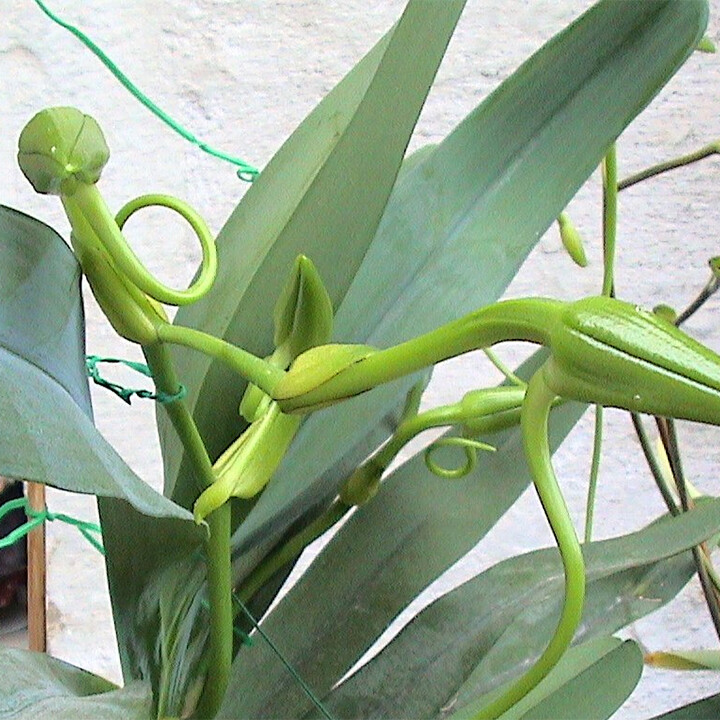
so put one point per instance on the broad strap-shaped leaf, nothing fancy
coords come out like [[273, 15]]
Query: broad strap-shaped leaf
[[41, 312], [597, 676], [323, 196], [47, 434], [34, 686], [460, 223], [705, 709], [143, 556], [478, 637]]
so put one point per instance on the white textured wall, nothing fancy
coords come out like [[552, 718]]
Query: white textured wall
[[241, 76]]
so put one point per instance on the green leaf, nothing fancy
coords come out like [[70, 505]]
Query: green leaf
[[322, 195], [47, 433], [705, 709], [41, 313], [143, 556], [460, 223], [487, 631], [34, 686], [598, 675]]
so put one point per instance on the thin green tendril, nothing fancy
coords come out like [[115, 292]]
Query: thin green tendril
[[38, 517], [245, 172], [91, 365], [136, 272], [467, 444]]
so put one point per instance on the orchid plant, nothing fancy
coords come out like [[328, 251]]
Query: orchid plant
[[277, 377]]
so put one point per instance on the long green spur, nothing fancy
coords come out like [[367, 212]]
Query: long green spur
[[62, 152], [602, 350]]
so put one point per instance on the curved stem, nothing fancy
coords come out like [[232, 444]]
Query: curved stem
[[509, 375], [249, 366], [536, 410], [138, 273], [93, 207], [662, 167], [530, 319]]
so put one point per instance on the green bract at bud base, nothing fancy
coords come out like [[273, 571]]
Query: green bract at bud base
[[60, 148], [312, 370], [609, 352], [247, 466]]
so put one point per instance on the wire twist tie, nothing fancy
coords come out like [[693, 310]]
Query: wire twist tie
[[37, 517], [92, 362]]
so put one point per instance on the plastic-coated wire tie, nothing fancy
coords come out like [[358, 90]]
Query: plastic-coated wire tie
[[37, 517], [296, 676], [245, 171], [92, 362]]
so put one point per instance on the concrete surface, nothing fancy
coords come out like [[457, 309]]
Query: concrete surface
[[241, 76]]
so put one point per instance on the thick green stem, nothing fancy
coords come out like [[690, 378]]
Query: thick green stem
[[158, 360], [219, 577], [217, 546], [529, 319], [610, 193], [536, 410]]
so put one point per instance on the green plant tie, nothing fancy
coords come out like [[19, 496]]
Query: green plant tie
[[92, 362], [296, 676], [245, 171], [37, 517]]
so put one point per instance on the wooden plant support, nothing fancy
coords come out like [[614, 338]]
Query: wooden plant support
[[36, 601]]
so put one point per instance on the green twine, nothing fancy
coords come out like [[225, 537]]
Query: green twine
[[305, 687], [37, 517], [245, 171], [92, 362]]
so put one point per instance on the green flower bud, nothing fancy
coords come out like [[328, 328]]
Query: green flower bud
[[61, 148], [609, 352], [247, 466], [303, 319], [706, 45], [303, 313], [571, 240], [666, 313]]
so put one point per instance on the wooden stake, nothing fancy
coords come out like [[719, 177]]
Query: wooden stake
[[37, 621]]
